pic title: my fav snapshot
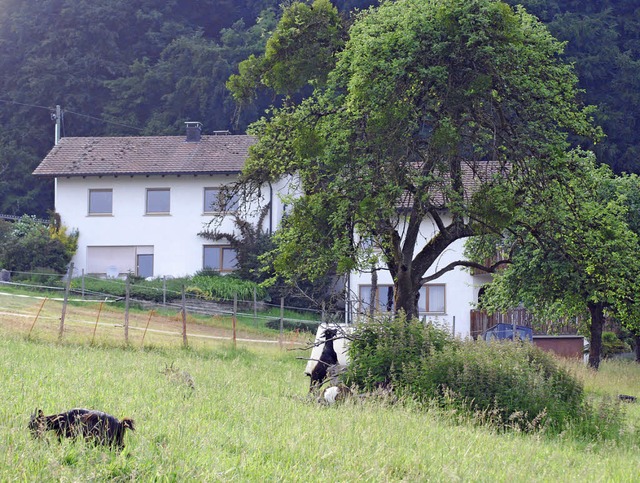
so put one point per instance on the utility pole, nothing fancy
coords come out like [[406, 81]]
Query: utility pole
[[57, 117]]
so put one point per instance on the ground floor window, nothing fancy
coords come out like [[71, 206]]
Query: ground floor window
[[119, 261], [431, 298], [220, 258]]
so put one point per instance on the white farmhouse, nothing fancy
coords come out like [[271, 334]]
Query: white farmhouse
[[140, 202]]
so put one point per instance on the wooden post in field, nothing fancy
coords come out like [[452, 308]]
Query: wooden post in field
[[83, 283], [37, 315], [234, 318], [145, 329], [255, 306], [184, 318], [164, 290], [65, 301], [127, 293], [281, 321], [97, 319]]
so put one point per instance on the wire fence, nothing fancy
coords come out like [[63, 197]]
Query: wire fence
[[52, 305]]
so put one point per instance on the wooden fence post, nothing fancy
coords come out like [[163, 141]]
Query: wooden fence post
[[145, 329], [281, 321], [37, 315], [65, 301], [184, 317], [97, 319], [255, 306], [234, 318], [127, 293], [164, 290]]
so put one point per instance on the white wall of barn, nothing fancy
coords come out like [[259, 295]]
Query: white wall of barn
[[176, 247]]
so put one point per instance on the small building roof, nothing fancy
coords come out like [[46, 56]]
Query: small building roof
[[145, 155]]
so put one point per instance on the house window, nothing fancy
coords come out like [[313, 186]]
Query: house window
[[219, 258], [100, 202], [118, 261], [431, 298], [158, 201], [219, 199]]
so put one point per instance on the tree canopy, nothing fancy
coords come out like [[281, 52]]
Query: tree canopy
[[572, 251], [423, 95], [145, 67]]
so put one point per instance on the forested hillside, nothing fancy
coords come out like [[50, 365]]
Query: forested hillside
[[133, 67]]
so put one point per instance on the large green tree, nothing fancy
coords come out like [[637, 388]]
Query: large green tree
[[574, 254], [423, 94]]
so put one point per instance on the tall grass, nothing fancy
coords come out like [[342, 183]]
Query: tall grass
[[249, 419]]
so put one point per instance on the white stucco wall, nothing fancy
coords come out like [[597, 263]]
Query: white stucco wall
[[177, 248]]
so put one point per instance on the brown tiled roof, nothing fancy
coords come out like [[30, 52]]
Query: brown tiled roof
[[95, 156], [475, 174]]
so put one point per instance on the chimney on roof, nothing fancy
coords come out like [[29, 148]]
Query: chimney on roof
[[194, 129]]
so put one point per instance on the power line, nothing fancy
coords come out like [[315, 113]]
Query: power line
[[103, 120], [7, 101], [48, 108]]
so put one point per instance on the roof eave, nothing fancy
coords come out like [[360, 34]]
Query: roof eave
[[128, 173]]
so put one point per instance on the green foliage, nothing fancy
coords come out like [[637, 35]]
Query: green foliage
[[603, 42], [41, 276], [514, 385], [29, 245], [123, 62], [206, 284], [503, 384], [573, 250], [384, 352], [421, 95], [301, 50], [224, 287], [612, 344]]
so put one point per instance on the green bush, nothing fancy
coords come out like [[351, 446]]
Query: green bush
[[506, 384], [224, 287], [612, 344], [381, 351], [43, 276], [514, 385], [208, 285]]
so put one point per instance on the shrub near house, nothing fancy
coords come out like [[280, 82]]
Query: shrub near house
[[28, 245], [506, 384]]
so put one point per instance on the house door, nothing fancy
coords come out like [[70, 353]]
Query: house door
[[144, 265]]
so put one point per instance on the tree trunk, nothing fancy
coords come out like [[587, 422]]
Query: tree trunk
[[406, 295], [636, 338], [595, 329]]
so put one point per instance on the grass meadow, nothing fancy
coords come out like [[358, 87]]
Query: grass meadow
[[249, 418]]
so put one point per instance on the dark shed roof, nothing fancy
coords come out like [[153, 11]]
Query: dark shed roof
[[144, 155]]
